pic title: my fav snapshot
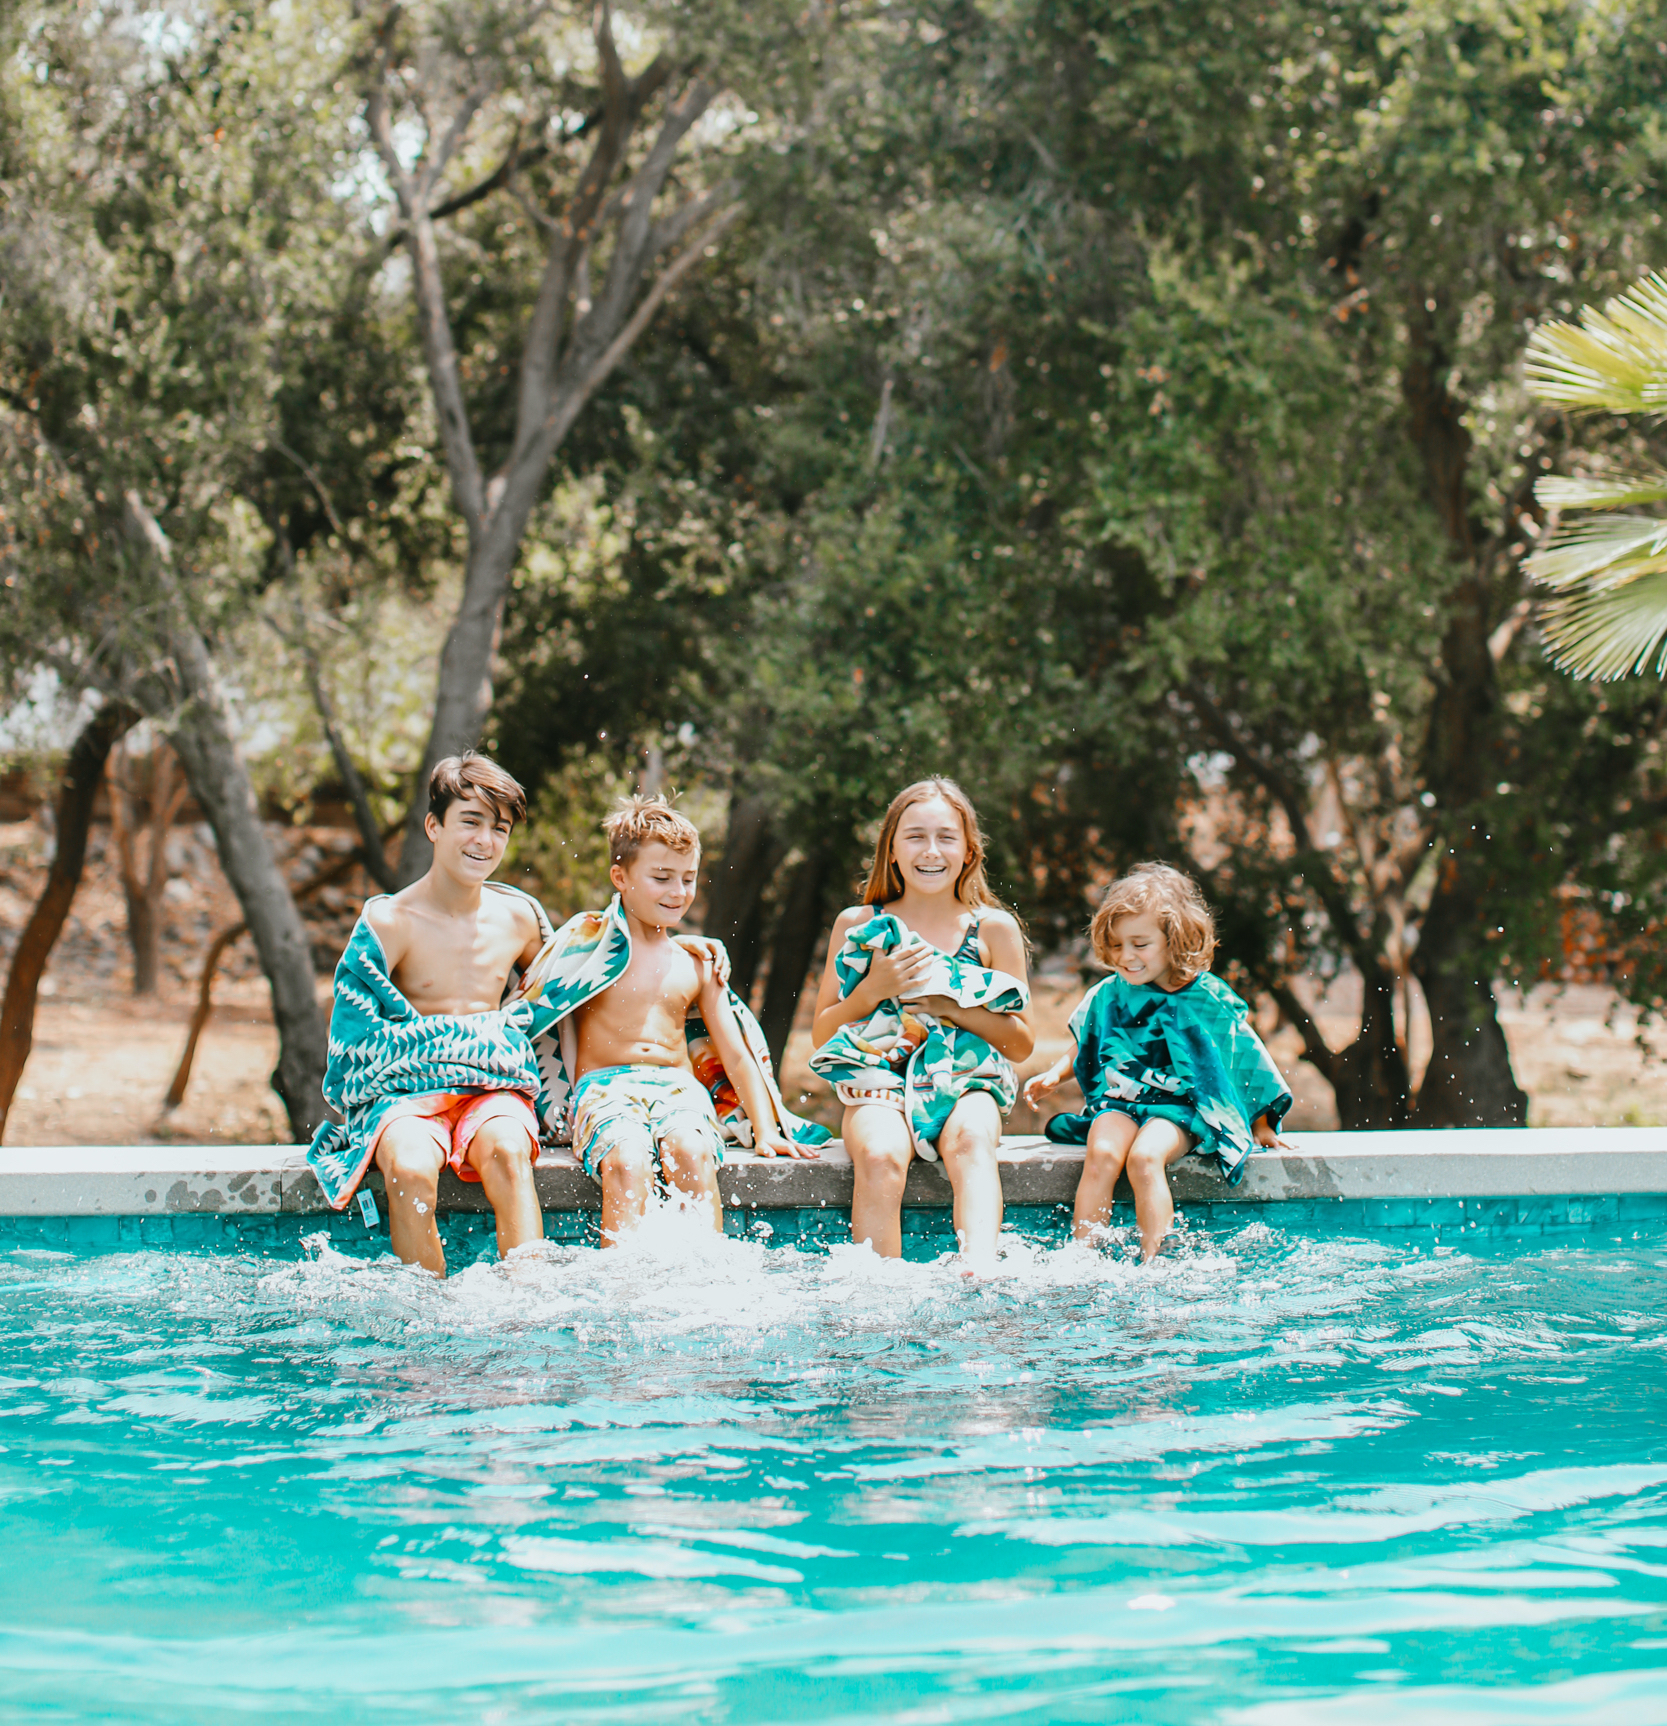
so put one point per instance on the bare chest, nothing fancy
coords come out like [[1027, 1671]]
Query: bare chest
[[455, 968]]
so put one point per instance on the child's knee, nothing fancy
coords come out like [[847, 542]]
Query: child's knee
[[507, 1146], [410, 1160], [629, 1163], [885, 1162], [687, 1153], [1151, 1154]]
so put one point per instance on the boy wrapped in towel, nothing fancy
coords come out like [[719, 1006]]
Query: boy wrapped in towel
[[654, 1060], [431, 1064]]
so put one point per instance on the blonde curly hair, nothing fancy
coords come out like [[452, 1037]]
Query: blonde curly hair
[[1179, 906]]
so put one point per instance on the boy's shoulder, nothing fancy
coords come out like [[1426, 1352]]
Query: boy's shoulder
[[519, 905]]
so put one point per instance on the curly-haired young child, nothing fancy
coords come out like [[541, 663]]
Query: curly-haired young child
[[1164, 1053]]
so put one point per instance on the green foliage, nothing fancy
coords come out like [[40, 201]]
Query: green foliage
[[1609, 571]]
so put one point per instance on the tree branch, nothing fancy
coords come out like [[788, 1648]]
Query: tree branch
[[376, 861], [1316, 1051], [668, 279], [1329, 890]]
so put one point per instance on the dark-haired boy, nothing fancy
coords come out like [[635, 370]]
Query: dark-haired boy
[[428, 1064]]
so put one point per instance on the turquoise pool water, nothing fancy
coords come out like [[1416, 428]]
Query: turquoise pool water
[[1282, 1477]]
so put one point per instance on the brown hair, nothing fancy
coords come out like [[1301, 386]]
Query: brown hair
[[472, 775], [640, 820], [885, 879], [1182, 914]]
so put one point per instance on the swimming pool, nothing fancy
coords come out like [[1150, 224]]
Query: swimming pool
[[1281, 1477]]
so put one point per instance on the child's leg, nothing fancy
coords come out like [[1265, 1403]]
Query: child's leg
[[968, 1146], [1156, 1146], [687, 1162], [627, 1176], [411, 1152], [501, 1152], [1109, 1138], [876, 1138]]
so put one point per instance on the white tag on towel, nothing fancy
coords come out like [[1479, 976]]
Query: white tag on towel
[[367, 1209]]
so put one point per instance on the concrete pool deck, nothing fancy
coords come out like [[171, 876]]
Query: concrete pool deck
[[1385, 1171]]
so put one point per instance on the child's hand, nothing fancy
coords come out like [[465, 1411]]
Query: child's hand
[[1038, 1085], [703, 949], [773, 1142], [901, 974], [1266, 1137], [943, 1007]]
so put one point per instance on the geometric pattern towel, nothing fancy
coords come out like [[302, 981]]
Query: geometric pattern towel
[[382, 1050], [903, 1050], [1193, 1051], [588, 954]]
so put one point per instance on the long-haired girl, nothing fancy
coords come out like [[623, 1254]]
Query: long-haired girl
[[923, 1009]]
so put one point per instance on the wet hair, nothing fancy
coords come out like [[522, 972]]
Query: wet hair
[[885, 879], [639, 821], [1179, 906], [472, 775]]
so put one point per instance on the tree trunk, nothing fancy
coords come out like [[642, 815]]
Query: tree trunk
[[735, 904], [142, 890], [464, 696], [1369, 1078], [219, 778], [221, 782], [1469, 1081], [793, 951], [75, 813]]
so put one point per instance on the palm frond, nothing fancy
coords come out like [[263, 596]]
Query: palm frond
[[1604, 551], [1616, 488], [1614, 362], [1610, 632]]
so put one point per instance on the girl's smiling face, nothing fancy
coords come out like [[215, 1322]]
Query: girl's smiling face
[[930, 846], [1140, 950]]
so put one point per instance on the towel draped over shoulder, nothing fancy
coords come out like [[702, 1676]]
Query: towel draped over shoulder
[[383, 1050]]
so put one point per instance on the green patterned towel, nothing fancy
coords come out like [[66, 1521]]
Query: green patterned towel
[[588, 954], [903, 1050], [382, 1050], [1192, 1054]]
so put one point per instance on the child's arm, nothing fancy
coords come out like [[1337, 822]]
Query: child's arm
[[1051, 1078], [768, 1140], [1267, 1136]]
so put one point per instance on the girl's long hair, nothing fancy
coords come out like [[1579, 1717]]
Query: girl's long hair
[[885, 879]]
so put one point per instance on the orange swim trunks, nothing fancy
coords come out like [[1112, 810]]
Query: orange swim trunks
[[454, 1117]]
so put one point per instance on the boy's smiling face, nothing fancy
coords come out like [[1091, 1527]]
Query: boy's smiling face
[[469, 843], [657, 886]]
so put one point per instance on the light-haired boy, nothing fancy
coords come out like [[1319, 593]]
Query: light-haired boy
[[638, 1108]]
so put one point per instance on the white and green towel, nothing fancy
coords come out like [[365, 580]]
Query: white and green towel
[[910, 1054]]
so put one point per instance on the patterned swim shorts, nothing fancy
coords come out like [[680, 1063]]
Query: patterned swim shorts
[[613, 1106]]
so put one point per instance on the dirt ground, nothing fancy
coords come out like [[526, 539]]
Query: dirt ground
[[102, 1060]]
